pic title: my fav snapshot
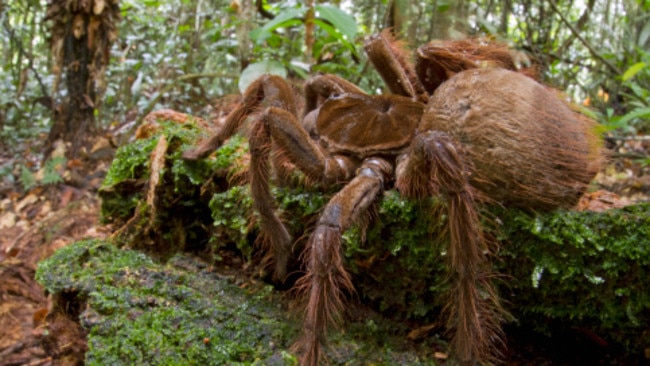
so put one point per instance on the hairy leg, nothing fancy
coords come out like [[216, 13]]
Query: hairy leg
[[282, 128], [326, 281], [434, 165], [269, 90]]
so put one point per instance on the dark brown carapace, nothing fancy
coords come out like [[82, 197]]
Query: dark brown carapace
[[462, 123]]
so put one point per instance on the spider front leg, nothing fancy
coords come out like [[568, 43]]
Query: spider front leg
[[284, 130], [326, 281], [270, 89], [434, 164]]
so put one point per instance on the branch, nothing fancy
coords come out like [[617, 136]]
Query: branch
[[260, 9], [576, 33], [30, 63]]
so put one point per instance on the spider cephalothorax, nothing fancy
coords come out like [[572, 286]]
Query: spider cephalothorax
[[462, 124]]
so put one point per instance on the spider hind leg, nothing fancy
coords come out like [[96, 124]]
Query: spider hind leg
[[435, 164]]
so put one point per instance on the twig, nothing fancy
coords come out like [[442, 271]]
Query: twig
[[30, 60], [629, 155], [576, 33]]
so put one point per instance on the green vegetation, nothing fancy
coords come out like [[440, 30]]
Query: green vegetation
[[576, 269], [183, 55], [581, 268], [141, 312], [137, 311]]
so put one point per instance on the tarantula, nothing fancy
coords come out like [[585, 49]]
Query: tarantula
[[461, 123]]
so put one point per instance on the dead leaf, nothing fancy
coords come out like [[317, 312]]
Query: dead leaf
[[69, 194], [440, 355], [421, 331], [28, 200], [600, 201], [7, 220], [39, 317]]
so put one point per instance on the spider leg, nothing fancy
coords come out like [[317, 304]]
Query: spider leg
[[435, 164], [326, 281], [281, 127], [438, 61], [390, 59], [324, 86], [272, 89]]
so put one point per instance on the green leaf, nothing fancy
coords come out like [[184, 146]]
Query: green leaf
[[254, 71], [636, 113], [283, 19], [342, 21], [331, 30], [27, 178], [633, 70], [644, 34]]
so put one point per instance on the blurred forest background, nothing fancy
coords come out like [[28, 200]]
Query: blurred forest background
[[73, 70]]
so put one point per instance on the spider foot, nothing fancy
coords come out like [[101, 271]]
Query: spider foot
[[324, 288]]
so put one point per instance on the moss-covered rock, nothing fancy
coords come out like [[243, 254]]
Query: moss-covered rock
[[581, 270], [139, 312]]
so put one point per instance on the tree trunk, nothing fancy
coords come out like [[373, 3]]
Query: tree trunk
[[81, 34]]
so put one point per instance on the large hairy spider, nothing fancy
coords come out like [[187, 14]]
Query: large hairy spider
[[461, 123]]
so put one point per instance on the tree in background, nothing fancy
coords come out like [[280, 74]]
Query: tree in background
[[82, 33]]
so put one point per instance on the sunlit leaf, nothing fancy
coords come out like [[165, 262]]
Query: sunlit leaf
[[283, 19], [341, 20], [135, 87], [633, 70], [332, 31], [254, 71], [636, 113]]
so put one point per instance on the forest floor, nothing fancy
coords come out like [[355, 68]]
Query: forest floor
[[35, 223]]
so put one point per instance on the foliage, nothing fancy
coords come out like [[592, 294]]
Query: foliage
[[137, 311], [582, 267], [24, 80], [183, 55], [636, 86], [50, 174]]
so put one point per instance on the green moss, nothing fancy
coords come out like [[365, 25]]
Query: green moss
[[140, 312], [180, 313], [180, 219], [130, 170], [579, 269]]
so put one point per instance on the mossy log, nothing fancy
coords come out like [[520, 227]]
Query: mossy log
[[585, 272]]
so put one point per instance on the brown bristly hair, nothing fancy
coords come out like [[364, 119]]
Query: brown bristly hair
[[472, 305], [330, 288], [404, 57], [438, 61]]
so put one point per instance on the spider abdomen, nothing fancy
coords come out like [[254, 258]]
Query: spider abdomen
[[526, 146]]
